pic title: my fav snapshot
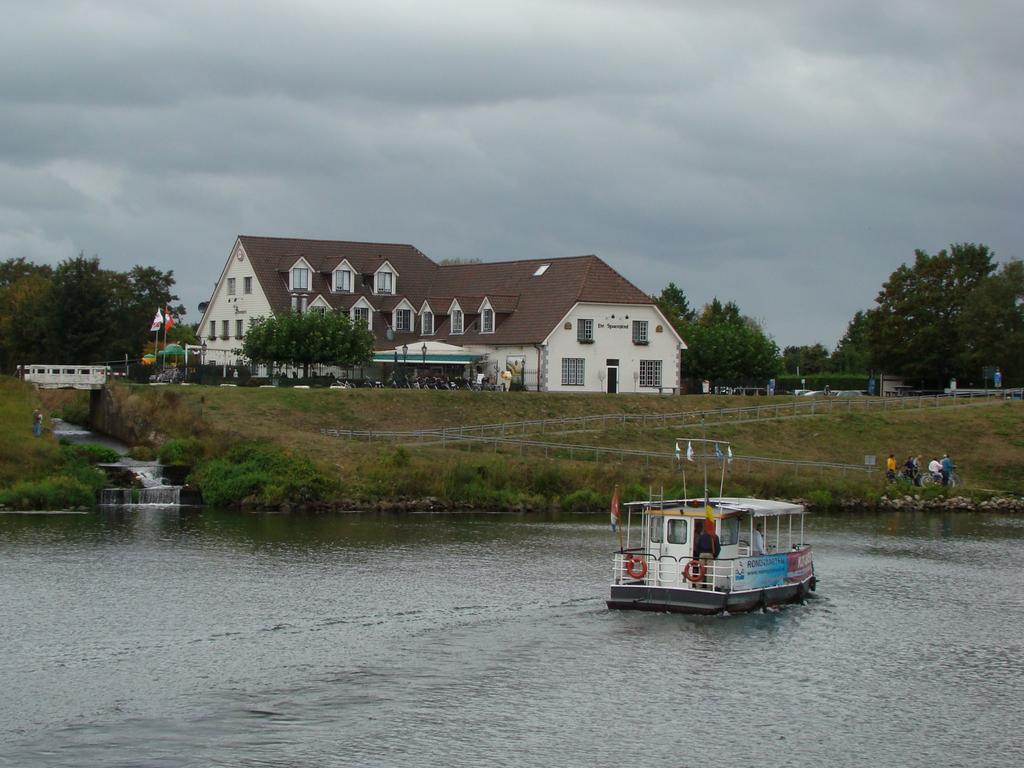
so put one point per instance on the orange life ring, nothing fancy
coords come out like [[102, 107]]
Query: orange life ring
[[694, 571], [634, 561]]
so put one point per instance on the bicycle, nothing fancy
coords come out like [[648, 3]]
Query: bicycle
[[935, 478]]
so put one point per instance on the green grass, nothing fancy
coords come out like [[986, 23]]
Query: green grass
[[204, 423]]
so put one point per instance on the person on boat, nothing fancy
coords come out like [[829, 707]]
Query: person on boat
[[757, 539], [890, 467], [947, 468], [708, 546]]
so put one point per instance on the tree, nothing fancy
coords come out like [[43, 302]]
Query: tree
[[915, 328], [13, 270], [991, 325], [724, 345], [80, 311], [674, 305], [805, 359], [308, 338], [851, 353], [24, 321]]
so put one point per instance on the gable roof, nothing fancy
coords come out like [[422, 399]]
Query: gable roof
[[272, 257], [527, 306], [536, 303]]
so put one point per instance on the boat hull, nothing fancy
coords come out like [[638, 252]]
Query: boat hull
[[640, 597]]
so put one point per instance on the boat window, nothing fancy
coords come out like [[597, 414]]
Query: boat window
[[730, 533], [677, 531], [656, 528]]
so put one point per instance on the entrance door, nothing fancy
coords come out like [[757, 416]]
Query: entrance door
[[678, 548], [613, 379]]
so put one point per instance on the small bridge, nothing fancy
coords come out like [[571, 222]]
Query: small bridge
[[66, 376]]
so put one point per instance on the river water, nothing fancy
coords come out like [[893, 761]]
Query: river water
[[164, 638]]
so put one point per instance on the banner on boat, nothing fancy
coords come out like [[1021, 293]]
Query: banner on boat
[[762, 571]]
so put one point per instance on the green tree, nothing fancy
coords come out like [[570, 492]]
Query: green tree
[[13, 270], [991, 326], [308, 338], [915, 328], [726, 346], [80, 315], [674, 305], [807, 359], [851, 353], [25, 332]]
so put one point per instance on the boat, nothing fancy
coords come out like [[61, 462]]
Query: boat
[[656, 568], [660, 572]]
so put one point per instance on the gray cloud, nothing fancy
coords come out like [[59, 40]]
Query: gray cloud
[[786, 156]]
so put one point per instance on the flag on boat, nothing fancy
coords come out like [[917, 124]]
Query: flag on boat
[[679, 453], [718, 451], [615, 508], [168, 320], [689, 451], [158, 321], [728, 453]]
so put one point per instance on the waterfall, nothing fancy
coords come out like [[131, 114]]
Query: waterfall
[[115, 497], [164, 494]]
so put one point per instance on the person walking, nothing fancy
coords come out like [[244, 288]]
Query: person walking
[[947, 468], [890, 467], [37, 422]]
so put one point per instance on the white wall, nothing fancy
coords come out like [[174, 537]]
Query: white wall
[[231, 308], [613, 339]]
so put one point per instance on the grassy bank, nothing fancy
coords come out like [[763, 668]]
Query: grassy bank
[[38, 473], [264, 446]]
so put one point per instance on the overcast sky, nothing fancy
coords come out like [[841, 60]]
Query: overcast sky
[[784, 155]]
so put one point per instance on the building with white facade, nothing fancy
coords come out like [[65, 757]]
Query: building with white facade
[[571, 324]]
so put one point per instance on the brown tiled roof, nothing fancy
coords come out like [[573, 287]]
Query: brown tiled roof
[[271, 258], [542, 300], [527, 306]]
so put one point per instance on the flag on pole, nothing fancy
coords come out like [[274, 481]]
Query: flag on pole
[[728, 453], [168, 320], [718, 451], [158, 321], [615, 508], [679, 454], [689, 451]]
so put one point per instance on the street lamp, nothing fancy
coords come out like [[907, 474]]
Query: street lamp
[[405, 362], [423, 349]]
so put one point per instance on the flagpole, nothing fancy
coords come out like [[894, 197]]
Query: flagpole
[[721, 486]]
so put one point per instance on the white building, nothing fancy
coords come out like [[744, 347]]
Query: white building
[[571, 324]]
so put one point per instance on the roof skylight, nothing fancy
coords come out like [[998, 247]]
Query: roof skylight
[[541, 270]]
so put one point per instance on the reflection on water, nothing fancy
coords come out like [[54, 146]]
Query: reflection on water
[[188, 638]]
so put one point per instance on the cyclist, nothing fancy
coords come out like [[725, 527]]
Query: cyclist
[[947, 468]]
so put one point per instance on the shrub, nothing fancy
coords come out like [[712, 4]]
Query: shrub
[[259, 473], [548, 480], [186, 450], [141, 453], [58, 492], [91, 453], [584, 500]]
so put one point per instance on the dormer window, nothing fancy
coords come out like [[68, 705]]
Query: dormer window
[[427, 323], [457, 321], [300, 279], [487, 320], [385, 282], [343, 281], [403, 320], [361, 315]]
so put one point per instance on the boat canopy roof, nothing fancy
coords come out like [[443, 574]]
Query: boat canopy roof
[[724, 507]]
